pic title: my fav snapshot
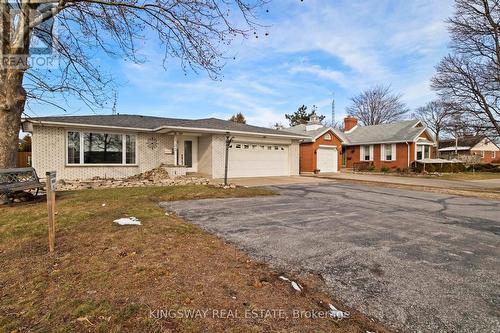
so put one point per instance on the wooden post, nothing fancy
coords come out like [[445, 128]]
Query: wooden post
[[50, 186]]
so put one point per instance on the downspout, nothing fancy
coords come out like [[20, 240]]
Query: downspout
[[408, 151]]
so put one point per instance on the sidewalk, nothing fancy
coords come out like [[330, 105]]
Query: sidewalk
[[490, 185]]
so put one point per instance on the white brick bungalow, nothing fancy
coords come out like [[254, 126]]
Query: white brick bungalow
[[83, 147]]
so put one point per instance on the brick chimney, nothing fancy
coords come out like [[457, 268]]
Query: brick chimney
[[349, 123]]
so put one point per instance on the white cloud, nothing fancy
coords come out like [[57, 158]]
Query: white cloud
[[313, 48], [326, 73]]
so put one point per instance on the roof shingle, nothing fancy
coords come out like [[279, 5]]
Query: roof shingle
[[395, 132], [152, 123]]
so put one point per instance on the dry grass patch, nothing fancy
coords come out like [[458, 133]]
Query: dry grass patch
[[470, 176], [108, 278]]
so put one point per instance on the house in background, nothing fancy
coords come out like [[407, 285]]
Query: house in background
[[117, 146], [394, 145], [391, 146], [479, 145], [322, 149]]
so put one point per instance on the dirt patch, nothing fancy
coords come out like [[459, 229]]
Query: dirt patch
[[105, 277]]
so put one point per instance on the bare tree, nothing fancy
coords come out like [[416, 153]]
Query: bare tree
[[470, 76], [436, 115], [377, 105], [196, 32]]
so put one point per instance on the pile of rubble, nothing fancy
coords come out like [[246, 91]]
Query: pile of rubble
[[154, 177], [157, 174], [119, 183]]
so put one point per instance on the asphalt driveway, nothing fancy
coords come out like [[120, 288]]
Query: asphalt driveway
[[416, 260]]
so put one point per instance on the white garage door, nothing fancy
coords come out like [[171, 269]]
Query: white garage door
[[326, 159], [257, 160]]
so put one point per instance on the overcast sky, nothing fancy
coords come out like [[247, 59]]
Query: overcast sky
[[314, 48]]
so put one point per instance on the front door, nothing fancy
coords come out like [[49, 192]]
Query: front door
[[188, 154]]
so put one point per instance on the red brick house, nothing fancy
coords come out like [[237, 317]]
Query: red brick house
[[470, 145], [392, 146]]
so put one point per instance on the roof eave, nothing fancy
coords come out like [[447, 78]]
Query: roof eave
[[160, 128]]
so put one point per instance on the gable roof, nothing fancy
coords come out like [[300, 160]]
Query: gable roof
[[153, 124], [466, 141], [402, 131], [314, 134]]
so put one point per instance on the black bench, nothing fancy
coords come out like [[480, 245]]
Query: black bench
[[361, 166], [19, 179]]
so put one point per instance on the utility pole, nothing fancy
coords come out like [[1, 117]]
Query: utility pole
[[333, 108]]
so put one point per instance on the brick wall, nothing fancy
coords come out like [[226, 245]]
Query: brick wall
[[205, 155], [353, 155], [49, 154], [218, 155], [308, 152]]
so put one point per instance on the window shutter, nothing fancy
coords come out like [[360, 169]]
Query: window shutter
[[361, 153], [394, 151], [382, 152]]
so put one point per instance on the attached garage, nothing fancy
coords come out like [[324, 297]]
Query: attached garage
[[258, 160], [326, 159]]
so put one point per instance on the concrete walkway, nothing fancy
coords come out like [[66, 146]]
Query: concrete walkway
[[481, 185], [274, 181]]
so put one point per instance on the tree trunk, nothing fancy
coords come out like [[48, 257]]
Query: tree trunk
[[12, 101]]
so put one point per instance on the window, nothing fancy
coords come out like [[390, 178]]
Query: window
[[130, 148], [238, 146], [276, 148], [328, 137], [100, 148], [423, 151], [366, 153], [269, 147], [73, 148], [388, 152], [246, 146]]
